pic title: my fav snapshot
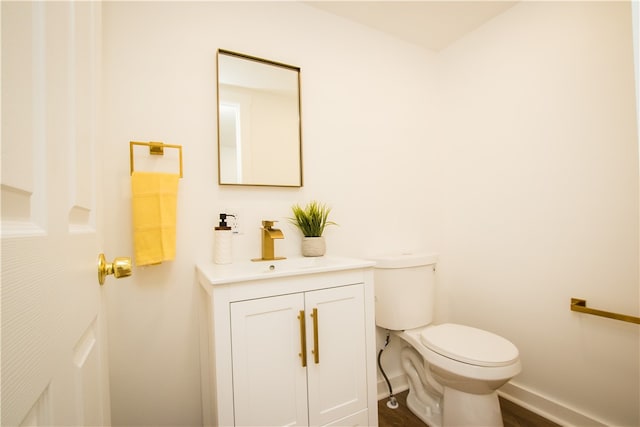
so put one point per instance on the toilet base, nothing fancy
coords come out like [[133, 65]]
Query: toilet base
[[467, 409], [423, 411], [460, 410]]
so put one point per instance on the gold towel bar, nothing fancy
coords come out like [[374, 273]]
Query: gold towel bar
[[580, 305], [155, 148]]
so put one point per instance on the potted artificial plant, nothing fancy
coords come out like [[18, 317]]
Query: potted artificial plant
[[311, 220]]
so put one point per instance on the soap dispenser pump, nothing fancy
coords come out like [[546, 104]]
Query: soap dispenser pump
[[222, 241]]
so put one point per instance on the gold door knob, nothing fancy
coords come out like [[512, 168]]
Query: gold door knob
[[120, 267]]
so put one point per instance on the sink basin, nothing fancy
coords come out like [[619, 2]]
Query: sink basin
[[244, 271]]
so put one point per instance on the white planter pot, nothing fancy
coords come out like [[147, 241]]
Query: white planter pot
[[313, 246]]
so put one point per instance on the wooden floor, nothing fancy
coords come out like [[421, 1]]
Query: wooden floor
[[512, 415]]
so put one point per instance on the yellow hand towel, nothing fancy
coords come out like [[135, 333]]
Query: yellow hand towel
[[154, 200]]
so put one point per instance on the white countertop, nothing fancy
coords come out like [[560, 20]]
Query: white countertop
[[243, 271]]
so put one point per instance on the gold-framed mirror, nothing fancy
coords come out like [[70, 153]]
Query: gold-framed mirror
[[259, 122]]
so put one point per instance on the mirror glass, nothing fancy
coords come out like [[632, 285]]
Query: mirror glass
[[259, 124]]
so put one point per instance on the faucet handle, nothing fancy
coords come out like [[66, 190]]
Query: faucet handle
[[268, 223]]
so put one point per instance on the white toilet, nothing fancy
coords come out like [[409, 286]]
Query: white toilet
[[453, 370]]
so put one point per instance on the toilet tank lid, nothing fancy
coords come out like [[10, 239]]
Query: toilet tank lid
[[405, 260]]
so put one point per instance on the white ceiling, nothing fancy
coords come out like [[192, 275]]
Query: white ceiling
[[431, 24]]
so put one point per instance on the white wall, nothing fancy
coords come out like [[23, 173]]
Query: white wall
[[513, 153], [368, 114], [541, 197]]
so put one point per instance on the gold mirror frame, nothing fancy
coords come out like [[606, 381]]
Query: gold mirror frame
[[259, 122]]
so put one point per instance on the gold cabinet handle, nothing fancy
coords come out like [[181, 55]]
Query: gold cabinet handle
[[120, 267], [316, 345], [303, 339]]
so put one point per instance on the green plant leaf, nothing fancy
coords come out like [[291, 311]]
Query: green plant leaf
[[311, 219]]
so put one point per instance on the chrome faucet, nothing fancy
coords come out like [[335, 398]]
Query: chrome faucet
[[269, 234]]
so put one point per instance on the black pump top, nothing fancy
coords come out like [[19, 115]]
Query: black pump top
[[223, 220]]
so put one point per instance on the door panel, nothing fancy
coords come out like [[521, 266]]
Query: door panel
[[269, 381], [53, 354], [86, 362], [337, 383]]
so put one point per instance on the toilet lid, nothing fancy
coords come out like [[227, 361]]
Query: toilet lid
[[469, 345]]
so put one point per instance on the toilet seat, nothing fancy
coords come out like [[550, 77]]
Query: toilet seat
[[469, 345]]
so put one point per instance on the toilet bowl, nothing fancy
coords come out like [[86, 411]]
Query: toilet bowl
[[453, 370], [470, 364]]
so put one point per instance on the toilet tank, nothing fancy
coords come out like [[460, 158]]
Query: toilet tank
[[404, 290]]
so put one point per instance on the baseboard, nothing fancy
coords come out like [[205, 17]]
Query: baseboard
[[521, 396], [546, 407]]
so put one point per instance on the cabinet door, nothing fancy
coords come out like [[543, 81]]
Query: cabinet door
[[336, 373], [269, 381]]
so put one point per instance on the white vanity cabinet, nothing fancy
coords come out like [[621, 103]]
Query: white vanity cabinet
[[288, 345]]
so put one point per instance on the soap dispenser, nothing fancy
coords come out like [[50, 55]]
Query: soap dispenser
[[222, 235]]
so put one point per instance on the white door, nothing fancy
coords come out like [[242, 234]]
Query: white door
[[53, 357], [269, 376], [337, 371]]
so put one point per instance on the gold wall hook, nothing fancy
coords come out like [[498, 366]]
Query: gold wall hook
[[120, 267], [156, 148]]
